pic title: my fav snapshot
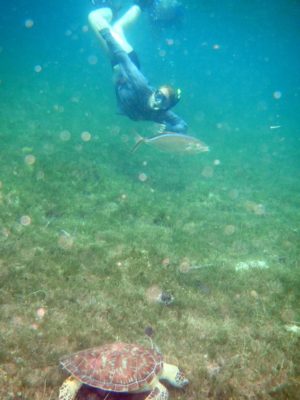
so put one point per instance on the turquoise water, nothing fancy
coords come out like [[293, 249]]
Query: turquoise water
[[91, 234]]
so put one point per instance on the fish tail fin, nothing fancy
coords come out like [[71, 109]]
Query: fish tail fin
[[139, 141]]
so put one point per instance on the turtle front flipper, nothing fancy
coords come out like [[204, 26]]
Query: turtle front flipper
[[69, 389], [159, 392]]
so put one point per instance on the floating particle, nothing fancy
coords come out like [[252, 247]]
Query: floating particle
[[115, 130], [25, 220], [229, 230], [5, 232], [92, 59], [40, 175], [30, 159], [233, 194], [17, 320], [153, 293], [207, 172], [65, 135], [40, 312], [277, 95], [28, 23], [255, 208], [185, 266], [68, 32], [275, 126], [166, 261], [38, 68], [213, 369], [75, 99], [58, 108], [142, 177], [259, 209], [170, 42], [216, 46], [288, 315], [124, 138], [85, 28], [199, 116], [217, 162], [162, 53], [27, 149], [65, 241], [86, 136]]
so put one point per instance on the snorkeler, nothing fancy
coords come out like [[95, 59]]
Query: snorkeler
[[136, 98]]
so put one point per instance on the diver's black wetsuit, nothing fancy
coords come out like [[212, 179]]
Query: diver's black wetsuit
[[133, 91]]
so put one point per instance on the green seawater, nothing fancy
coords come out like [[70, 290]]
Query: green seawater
[[92, 235]]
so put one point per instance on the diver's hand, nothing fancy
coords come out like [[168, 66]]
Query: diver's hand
[[161, 129]]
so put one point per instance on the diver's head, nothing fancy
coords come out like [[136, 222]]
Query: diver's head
[[164, 98]]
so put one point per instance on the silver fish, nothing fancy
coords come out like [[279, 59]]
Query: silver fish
[[174, 143]]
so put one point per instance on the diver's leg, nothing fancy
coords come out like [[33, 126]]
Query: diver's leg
[[123, 22], [128, 18], [100, 19]]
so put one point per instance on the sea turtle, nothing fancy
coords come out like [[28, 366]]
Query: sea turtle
[[120, 367]]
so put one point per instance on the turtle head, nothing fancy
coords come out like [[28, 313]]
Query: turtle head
[[174, 376]]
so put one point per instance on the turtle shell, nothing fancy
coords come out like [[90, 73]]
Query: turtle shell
[[118, 367]]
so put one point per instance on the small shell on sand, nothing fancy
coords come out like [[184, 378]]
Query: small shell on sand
[[246, 265], [154, 294], [40, 313], [293, 329]]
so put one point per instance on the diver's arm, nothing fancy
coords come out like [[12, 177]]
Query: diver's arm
[[173, 123]]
